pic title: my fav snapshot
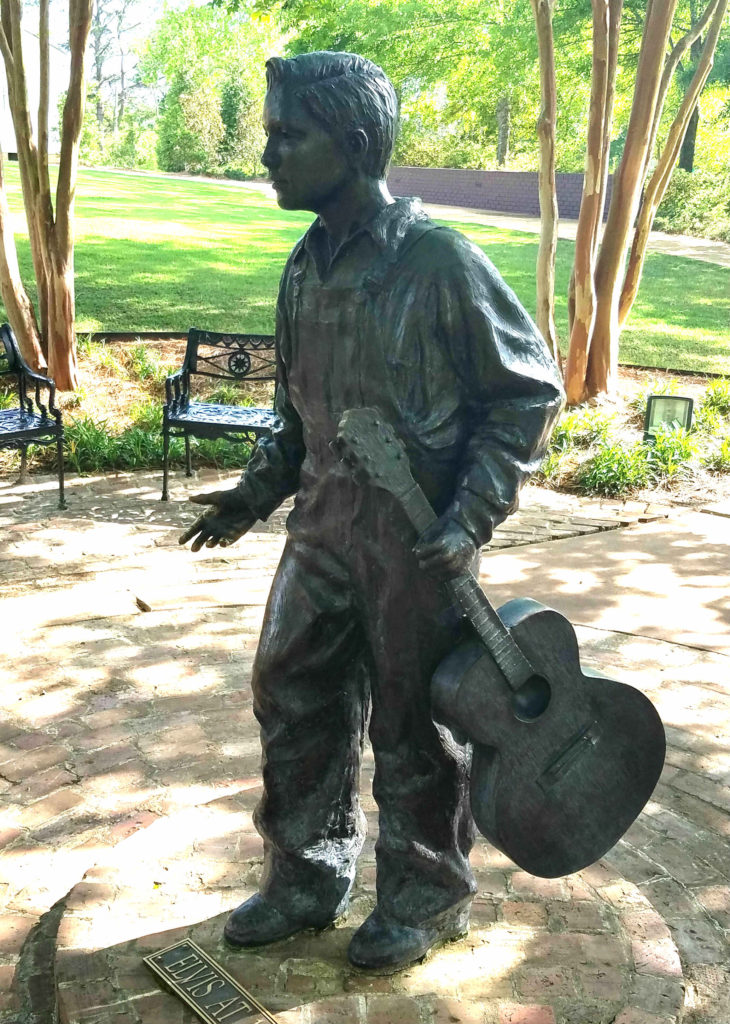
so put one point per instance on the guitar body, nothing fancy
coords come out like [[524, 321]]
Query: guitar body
[[553, 789]]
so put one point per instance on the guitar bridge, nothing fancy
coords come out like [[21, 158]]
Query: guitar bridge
[[578, 746]]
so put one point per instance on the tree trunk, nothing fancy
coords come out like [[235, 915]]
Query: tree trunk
[[615, 11], [603, 351], [543, 11], [503, 130], [589, 216], [657, 185], [18, 306], [62, 364], [51, 237]]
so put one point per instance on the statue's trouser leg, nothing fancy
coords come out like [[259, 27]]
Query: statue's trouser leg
[[330, 633], [421, 774], [310, 697]]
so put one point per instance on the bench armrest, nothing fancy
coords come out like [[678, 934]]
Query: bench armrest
[[38, 379]]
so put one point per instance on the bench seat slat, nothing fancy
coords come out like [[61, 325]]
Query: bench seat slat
[[241, 417]]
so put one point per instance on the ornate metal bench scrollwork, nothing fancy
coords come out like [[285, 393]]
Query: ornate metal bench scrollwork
[[32, 421], [232, 357]]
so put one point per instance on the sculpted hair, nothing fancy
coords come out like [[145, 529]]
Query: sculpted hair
[[343, 92]]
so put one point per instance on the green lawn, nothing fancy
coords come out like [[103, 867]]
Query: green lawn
[[159, 253]]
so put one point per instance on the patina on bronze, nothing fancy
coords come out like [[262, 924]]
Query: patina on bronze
[[205, 987], [378, 306]]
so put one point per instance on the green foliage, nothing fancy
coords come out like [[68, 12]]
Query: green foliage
[[717, 396], [8, 397], [135, 148], [228, 394], [584, 427], [143, 364], [718, 460], [210, 64], [706, 420], [577, 429], [190, 128], [614, 470], [669, 453], [666, 386], [91, 448], [696, 203]]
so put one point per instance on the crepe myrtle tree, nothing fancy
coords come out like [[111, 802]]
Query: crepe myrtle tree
[[48, 338], [604, 284]]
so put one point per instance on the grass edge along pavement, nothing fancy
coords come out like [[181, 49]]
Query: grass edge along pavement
[[158, 253]]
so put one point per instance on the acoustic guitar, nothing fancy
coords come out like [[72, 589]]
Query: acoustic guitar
[[564, 759]]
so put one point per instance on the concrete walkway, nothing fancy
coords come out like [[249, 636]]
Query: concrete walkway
[[129, 768]]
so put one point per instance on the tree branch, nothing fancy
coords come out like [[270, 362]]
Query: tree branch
[[44, 100], [671, 63], [79, 23]]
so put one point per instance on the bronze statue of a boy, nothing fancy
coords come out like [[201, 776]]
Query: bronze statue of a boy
[[378, 306]]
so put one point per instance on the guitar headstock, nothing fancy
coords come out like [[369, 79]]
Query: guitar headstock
[[367, 442]]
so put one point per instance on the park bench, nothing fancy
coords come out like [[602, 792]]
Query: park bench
[[31, 422], [236, 358]]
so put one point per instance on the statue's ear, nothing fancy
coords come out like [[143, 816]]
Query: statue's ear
[[357, 143]]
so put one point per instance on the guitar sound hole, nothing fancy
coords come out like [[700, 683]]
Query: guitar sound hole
[[532, 699]]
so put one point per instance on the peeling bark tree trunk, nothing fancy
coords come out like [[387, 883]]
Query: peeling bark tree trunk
[[606, 29], [657, 185], [603, 346], [50, 232], [543, 10], [589, 217], [18, 306]]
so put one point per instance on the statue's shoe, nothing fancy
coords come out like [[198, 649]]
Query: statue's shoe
[[257, 923], [385, 945]]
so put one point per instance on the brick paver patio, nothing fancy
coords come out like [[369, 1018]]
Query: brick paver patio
[[129, 767]]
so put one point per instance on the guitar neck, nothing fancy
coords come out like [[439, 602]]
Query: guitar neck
[[471, 599]]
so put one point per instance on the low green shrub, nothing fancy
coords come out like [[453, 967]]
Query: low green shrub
[[553, 465], [668, 455], [717, 396], [668, 386], [614, 470], [8, 397], [228, 394], [142, 363], [237, 173], [585, 427], [706, 420], [696, 203], [91, 448], [718, 460]]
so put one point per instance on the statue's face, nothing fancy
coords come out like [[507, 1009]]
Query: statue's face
[[307, 166]]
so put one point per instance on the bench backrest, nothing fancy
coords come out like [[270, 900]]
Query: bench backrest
[[10, 358], [234, 357]]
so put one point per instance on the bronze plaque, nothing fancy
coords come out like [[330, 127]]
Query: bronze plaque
[[202, 984]]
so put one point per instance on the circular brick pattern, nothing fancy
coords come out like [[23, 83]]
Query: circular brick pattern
[[538, 951]]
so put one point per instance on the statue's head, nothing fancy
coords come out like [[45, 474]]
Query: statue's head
[[327, 115]]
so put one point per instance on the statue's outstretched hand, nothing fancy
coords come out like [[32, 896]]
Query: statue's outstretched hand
[[445, 549], [222, 524]]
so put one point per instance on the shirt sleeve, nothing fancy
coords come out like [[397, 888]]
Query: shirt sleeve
[[272, 473], [509, 382]]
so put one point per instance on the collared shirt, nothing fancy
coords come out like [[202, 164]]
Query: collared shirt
[[414, 320]]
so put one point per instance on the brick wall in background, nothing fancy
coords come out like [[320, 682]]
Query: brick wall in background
[[501, 191]]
